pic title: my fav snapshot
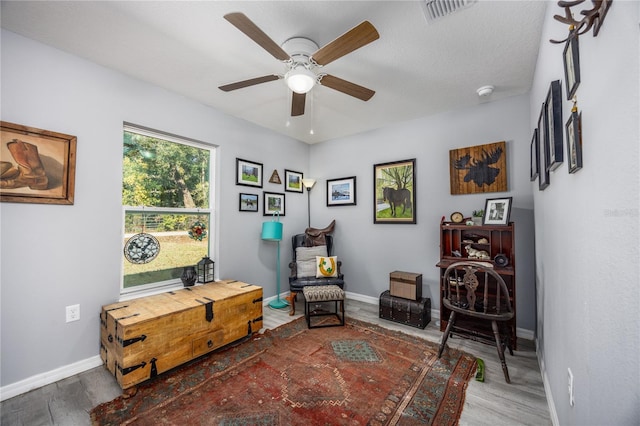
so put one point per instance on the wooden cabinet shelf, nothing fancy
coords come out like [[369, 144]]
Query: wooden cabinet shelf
[[496, 245]]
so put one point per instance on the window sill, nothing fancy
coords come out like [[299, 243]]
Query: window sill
[[136, 294]]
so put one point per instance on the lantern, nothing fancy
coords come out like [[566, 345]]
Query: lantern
[[205, 270]]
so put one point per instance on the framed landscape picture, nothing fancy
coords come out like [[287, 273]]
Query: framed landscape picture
[[553, 124], [293, 181], [535, 150], [248, 202], [571, 56], [341, 192], [574, 141], [273, 202], [248, 173], [38, 166], [543, 143], [394, 196]]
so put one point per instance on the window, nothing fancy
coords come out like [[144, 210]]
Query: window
[[167, 197]]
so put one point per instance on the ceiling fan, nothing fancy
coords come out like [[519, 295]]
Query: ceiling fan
[[305, 60]]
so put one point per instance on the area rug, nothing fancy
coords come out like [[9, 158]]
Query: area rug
[[359, 374]]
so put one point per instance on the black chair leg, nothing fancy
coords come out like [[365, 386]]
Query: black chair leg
[[496, 333], [445, 336]]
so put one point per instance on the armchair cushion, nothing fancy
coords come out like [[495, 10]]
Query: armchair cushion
[[327, 266], [306, 260]]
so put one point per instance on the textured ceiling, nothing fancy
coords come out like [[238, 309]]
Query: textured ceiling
[[416, 68]]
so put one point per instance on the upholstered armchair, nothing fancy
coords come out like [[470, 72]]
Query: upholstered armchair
[[306, 272]]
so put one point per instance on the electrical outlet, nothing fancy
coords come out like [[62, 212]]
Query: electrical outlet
[[570, 386], [73, 313]]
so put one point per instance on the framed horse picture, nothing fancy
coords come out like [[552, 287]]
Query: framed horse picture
[[394, 186]]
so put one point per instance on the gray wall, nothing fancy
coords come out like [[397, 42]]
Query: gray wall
[[370, 252], [587, 230], [54, 256]]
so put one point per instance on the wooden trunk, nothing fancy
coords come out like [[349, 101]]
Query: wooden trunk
[[142, 338], [416, 313], [407, 285]]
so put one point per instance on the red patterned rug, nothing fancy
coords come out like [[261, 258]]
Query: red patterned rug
[[359, 374]]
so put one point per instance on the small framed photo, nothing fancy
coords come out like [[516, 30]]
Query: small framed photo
[[341, 192], [543, 158], [38, 166], [571, 57], [273, 202], [497, 211], [293, 181], [248, 173], [248, 202], [574, 141], [553, 124], [535, 150]]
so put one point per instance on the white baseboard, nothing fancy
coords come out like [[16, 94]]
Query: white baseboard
[[547, 387], [43, 379], [435, 313]]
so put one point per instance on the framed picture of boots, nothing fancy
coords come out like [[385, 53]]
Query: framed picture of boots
[[37, 166]]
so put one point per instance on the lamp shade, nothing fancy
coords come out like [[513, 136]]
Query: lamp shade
[[308, 182], [300, 80], [272, 231]]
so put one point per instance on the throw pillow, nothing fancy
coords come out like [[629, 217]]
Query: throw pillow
[[306, 260], [327, 266]]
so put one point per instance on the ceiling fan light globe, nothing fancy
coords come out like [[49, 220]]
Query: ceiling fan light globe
[[300, 80]]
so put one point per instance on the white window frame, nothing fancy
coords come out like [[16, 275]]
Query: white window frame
[[173, 284]]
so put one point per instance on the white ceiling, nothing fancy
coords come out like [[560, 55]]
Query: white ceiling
[[416, 68]]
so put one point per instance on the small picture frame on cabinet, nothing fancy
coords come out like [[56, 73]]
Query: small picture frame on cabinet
[[497, 211]]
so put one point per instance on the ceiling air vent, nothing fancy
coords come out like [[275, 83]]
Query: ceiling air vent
[[436, 9]]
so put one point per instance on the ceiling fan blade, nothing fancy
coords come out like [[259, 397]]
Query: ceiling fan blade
[[353, 39], [297, 104], [250, 82], [347, 87], [244, 24]]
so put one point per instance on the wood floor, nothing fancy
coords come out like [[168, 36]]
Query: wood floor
[[492, 402]]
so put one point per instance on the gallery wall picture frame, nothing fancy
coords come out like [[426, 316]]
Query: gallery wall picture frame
[[553, 124], [543, 145], [535, 151], [248, 202], [571, 56], [478, 169], [293, 181], [497, 211], [249, 173], [275, 177], [273, 202], [38, 166], [394, 192], [341, 192], [574, 141]]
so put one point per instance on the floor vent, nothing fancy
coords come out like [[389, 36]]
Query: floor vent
[[437, 9]]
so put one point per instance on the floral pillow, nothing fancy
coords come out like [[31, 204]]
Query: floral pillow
[[326, 266]]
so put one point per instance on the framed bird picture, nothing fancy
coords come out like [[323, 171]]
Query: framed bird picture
[[478, 169]]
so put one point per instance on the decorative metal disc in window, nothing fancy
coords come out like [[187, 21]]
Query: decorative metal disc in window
[[141, 248]]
